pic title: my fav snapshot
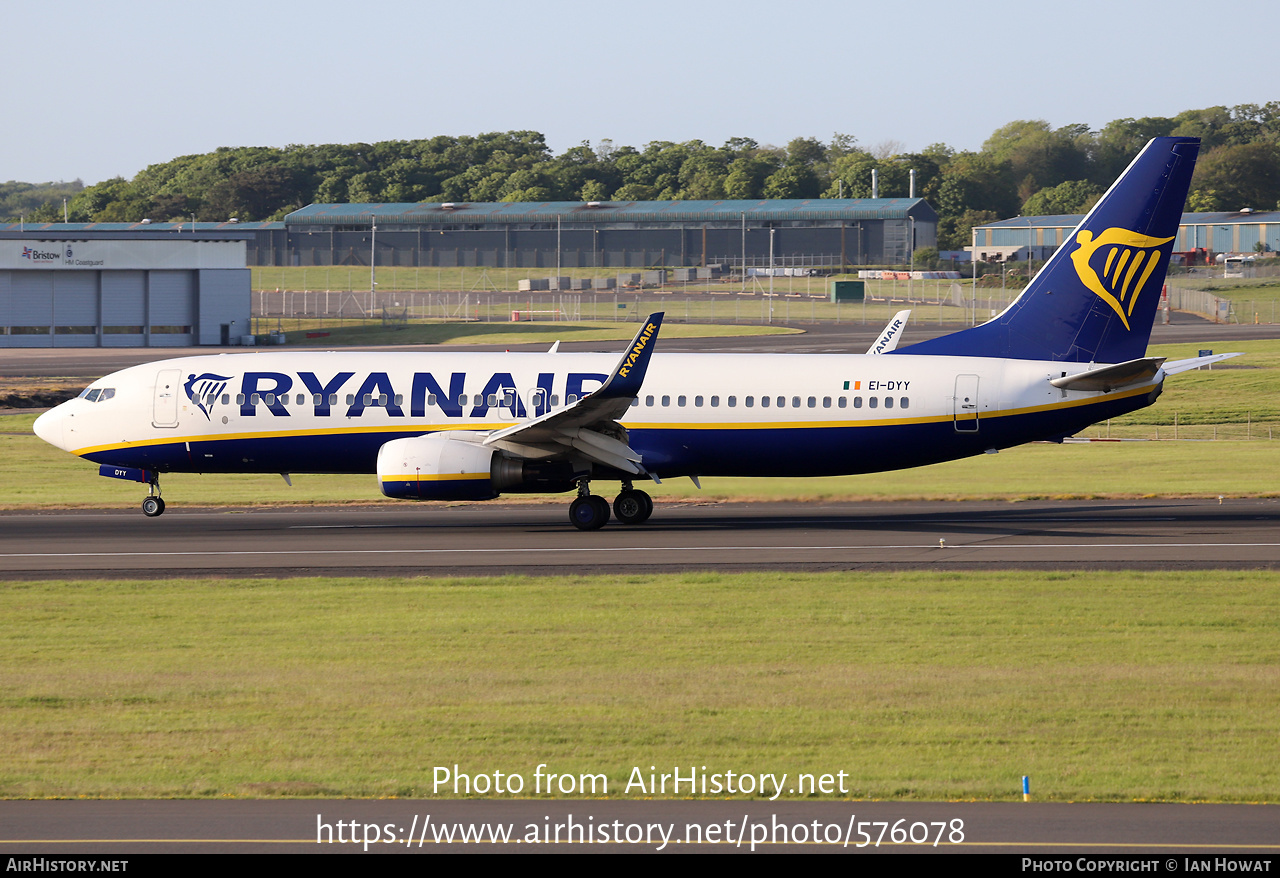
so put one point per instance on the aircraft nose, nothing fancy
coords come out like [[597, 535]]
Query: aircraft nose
[[49, 426]]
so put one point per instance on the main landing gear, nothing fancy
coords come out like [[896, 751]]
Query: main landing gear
[[154, 504], [591, 512]]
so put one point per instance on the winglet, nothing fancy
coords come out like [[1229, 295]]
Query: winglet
[[628, 376], [888, 339]]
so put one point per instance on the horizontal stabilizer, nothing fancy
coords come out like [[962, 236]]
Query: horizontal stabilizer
[[1194, 363], [1108, 378]]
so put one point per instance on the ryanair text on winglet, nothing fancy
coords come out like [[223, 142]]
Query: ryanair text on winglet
[[637, 350]]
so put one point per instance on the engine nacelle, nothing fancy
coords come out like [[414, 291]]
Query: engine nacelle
[[455, 466], [438, 466]]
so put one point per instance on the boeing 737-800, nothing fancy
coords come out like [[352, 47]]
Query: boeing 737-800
[[1068, 352]]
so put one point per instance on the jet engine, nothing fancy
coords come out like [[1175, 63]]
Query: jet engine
[[455, 465]]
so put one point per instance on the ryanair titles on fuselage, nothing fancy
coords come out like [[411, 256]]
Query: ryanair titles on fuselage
[[325, 395]]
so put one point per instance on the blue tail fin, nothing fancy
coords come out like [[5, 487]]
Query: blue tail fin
[[1095, 299]]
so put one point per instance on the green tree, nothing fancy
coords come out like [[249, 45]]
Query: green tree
[[793, 181], [1074, 196], [1033, 149], [976, 182], [747, 176], [1233, 177], [1120, 140]]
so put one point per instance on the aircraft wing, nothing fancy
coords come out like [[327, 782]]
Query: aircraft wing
[[590, 425], [888, 339]]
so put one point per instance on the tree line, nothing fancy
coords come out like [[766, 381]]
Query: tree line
[[1024, 168]]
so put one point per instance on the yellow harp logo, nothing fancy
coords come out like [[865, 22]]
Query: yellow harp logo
[[1125, 256]]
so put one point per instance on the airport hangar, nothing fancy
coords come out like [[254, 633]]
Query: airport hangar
[[122, 285], [817, 232]]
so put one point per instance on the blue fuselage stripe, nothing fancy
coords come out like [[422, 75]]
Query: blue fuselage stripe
[[669, 450]]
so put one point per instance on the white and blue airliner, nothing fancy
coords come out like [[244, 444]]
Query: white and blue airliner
[[1069, 352]]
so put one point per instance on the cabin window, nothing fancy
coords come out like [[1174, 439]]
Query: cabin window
[[636, 401], [368, 399], [888, 402], [478, 399], [904, 402], [681, 400], [733, 402], [826, 402], [493, 400], [351, 399], [697, 401], [749, 401], [813, 402], [795, 402], [842, 402], [255, 399], [555, 400], [857, 402], [648, 400], [270, 399], [382, 399], [871, 402], [462, 399], [399, 399], [431, 399], [666, 401], [571, 399], [333, 399], [782, 402], [226, 399], [764, 402], [715, 402], [239, 399]]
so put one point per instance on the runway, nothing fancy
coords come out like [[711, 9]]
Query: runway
[[1052, 832], [496, 538]]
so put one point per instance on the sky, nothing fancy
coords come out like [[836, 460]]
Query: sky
[[105, 89]]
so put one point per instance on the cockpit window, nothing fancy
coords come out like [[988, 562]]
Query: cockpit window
[[98, 394]]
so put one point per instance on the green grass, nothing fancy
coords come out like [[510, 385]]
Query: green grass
[[1101, 686]]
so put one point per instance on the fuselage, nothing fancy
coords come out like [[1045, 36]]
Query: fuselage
[[697, 414]]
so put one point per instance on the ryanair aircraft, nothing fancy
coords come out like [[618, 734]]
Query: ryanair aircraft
[[1069, 352]]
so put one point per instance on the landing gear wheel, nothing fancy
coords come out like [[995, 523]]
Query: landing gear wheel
[[152, 506], [633, 507], [589, 512]]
